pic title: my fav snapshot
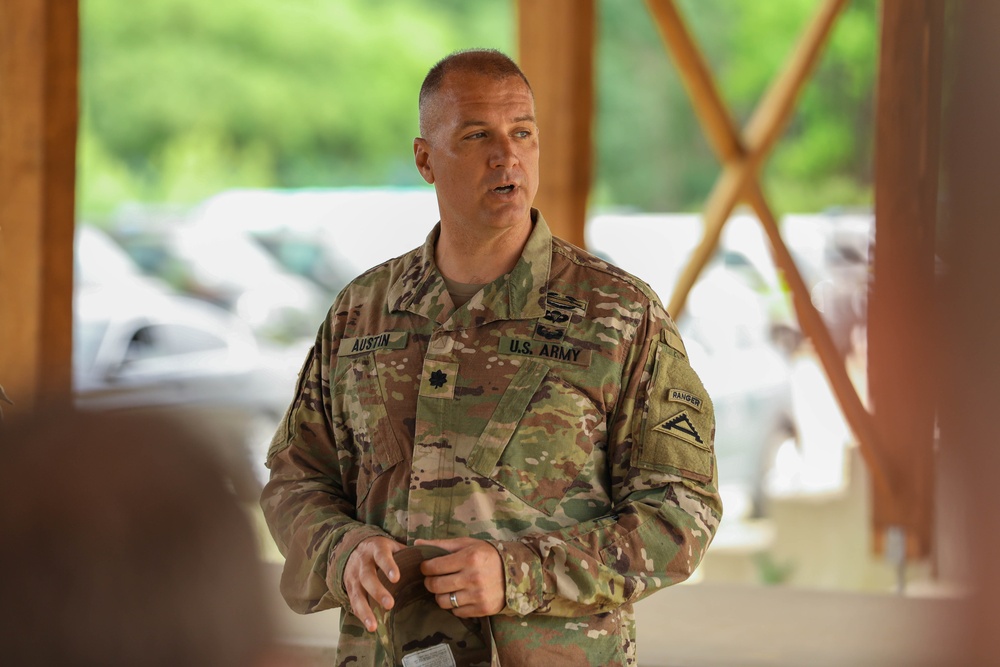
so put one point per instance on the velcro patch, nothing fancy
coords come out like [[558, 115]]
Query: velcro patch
[[680, 426], [674, 341], [565, 302], [674, 436], [390, 340], [544, 350], [546, 332], [438, 379], [685, 397]]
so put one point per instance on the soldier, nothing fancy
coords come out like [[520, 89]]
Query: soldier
[[501, 395]]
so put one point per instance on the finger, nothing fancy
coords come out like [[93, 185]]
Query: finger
[[451, 544], [444, 601], [385, 560], [445, 584], [372, 585], [452, 563], [361, 609], [466, 608]]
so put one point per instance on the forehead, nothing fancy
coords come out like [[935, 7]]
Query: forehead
[[468, 96]]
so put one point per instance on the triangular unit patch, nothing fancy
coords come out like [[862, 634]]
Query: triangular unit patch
[[681, 427]]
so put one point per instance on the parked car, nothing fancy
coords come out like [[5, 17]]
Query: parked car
[[231, 270], [139, 346], [326, 235], [99, 261]]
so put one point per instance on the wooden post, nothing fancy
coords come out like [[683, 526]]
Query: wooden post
[[731, 149], [970, 374], [902, 319], [38, 122], [556, 52], [762, 131]]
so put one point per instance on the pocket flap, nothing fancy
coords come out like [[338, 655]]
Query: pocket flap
[[507, 416]]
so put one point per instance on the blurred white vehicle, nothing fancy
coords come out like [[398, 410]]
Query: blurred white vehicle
[[138, 346], [328, 235], [230, 270]]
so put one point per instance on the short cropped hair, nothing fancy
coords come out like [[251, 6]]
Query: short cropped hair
[[488, 62]]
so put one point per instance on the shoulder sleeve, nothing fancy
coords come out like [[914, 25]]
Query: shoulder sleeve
[[308, 510]]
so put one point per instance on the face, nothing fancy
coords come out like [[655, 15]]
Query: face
[[481, 150]]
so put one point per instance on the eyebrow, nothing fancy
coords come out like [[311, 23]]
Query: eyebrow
[[478, 123]]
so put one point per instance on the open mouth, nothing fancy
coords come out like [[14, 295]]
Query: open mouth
[[504, 189]]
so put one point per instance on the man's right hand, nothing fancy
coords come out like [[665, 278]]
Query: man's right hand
[[361, 577]]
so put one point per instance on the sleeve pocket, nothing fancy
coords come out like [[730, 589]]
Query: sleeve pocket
[[283, 434], [678, 426]]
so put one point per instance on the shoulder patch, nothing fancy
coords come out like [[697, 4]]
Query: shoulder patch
[[680, 426], [686, 397], [677, 432]]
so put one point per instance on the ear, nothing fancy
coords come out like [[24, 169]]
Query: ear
[[422, 156]]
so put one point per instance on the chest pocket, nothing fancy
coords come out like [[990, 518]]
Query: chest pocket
[[540, 437], [363, 405]]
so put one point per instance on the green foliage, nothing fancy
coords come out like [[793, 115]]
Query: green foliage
[[183, 98], [770, 571], [651, 150]]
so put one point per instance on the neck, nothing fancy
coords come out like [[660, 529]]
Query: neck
[[479, 258]]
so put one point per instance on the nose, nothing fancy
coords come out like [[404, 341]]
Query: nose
[[502, 153]]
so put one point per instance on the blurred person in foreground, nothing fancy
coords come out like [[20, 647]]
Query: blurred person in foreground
[[503, 396], [123, 546]]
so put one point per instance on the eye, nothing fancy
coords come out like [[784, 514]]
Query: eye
[[523, 134], [476, 135]]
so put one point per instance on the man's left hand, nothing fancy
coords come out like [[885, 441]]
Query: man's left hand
[[473, 572]]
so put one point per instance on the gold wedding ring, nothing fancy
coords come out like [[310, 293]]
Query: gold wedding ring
[[454, 600]]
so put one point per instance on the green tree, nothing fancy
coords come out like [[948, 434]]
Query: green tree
[[652, 154], [248, 92]]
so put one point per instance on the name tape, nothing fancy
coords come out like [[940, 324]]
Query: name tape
[[544, 350], [390, 340]]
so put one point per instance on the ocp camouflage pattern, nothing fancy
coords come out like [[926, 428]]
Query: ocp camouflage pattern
[[538, 416]]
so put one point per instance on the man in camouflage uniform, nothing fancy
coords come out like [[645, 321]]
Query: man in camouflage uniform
[[503, 395]]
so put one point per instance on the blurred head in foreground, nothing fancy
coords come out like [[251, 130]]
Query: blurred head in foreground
[[122, 545]]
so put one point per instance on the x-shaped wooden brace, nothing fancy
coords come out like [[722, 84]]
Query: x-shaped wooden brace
[[742, 157]]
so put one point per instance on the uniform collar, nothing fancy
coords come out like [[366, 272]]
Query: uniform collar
[[520, 294]]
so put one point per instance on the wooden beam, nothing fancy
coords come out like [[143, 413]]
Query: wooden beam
[[763, 130], [730, 148], [38, 121], [556, 47], [902, 323], [709, 108], [852, 406]]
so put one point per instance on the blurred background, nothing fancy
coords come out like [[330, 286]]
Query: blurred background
[[238, 162]]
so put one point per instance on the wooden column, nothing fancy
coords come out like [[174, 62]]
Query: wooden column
[[556, 52], [902, 340], [971, 322], [38, 122]]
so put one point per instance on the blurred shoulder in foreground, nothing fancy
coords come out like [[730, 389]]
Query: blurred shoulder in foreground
[[123, 545]]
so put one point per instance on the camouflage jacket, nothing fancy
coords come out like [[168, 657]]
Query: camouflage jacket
[[554, 415]]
